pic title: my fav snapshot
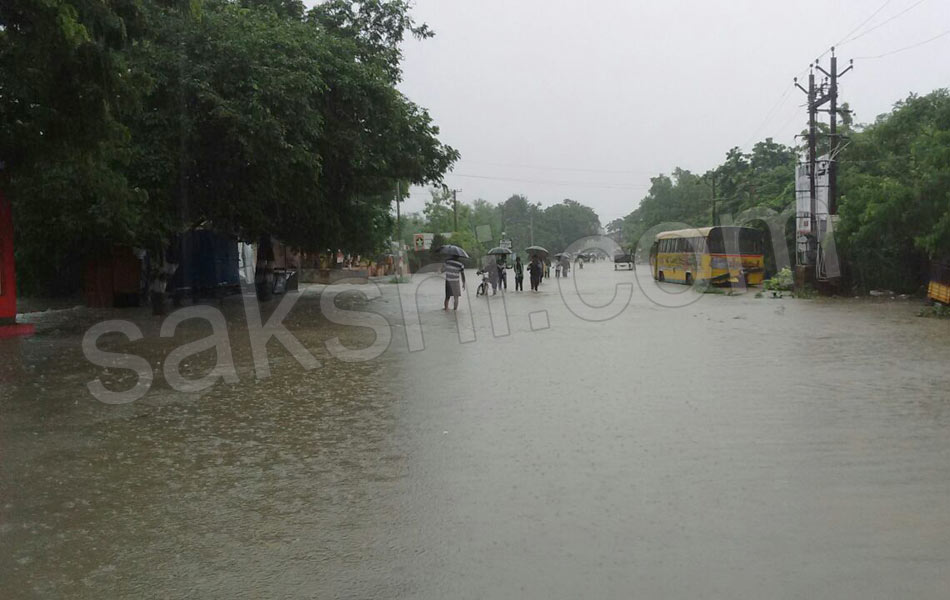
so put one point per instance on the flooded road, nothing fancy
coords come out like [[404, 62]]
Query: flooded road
[[732, 447]]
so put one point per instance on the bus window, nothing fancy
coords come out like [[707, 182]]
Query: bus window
[[695, 245], [750, 241], [735, 240]]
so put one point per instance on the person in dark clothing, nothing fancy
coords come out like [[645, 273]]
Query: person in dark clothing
[[535, 269], [519, 275]]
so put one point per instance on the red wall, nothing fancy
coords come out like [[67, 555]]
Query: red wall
[[7, 271]]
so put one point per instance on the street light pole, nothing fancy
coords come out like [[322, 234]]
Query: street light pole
[[711, 177], [398, 222]]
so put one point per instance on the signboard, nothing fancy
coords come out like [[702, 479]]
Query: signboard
[[422, 241], [483, 233], [505, 244]]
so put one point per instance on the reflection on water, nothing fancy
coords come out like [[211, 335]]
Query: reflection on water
[[733, 448]]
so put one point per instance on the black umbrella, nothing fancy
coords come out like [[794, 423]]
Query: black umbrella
[[536, 250], [451, 250], [500, 251]]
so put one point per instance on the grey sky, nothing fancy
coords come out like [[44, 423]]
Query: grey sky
[[588, 100]]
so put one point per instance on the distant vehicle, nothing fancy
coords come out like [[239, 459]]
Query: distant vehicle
[[719, 255], [623, 262], [939, 288]]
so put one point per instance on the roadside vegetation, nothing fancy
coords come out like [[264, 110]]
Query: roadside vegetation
[[937, 311], [126, 122], [894, 183], [783, 281]]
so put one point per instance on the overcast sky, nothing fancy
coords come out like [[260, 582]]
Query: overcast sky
[[587, 100]]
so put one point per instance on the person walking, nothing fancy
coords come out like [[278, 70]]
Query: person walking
[[519, 275], [493, 277], [496, 277], [454, 272]]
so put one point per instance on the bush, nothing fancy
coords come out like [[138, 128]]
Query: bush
[[937, 311], [782, 282]]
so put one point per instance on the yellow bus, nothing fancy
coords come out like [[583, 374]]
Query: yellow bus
[[939, 288], [719, 255]]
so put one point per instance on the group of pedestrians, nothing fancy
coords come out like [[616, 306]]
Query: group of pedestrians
[[536, 272], [497, 276]]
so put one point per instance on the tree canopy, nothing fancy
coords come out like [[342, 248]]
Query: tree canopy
[[128, 121], [895, 194]]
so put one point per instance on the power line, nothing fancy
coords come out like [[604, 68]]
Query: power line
[[769, 116], [863, 23], [547, 168], [791, 118], [849, 37], [562, 183], [912, 46], [883, 23]]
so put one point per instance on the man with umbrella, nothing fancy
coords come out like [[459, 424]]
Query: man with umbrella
[[536, 266], [493, 272], [497, 274], [454, 272], [535, 269]]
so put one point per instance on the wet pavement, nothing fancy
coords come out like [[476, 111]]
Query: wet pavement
[[732, 447]]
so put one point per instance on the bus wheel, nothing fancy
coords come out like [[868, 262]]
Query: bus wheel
[[689, 279], [659, 276]]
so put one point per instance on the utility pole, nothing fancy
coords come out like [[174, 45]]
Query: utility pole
[[399, 257], [455, 205], [398, 223], [806, 257], [455, 209], [832, 99], [711, 177], [818, 97]]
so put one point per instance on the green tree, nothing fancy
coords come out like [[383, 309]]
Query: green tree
[[565, 223], [895, 202], [440, 212], [128, 121], [517, 217], [65, 81]]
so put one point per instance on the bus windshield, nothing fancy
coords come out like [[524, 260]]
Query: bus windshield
[[729, 239]]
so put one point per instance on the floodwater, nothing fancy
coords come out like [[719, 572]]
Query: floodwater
[[733, 447]]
